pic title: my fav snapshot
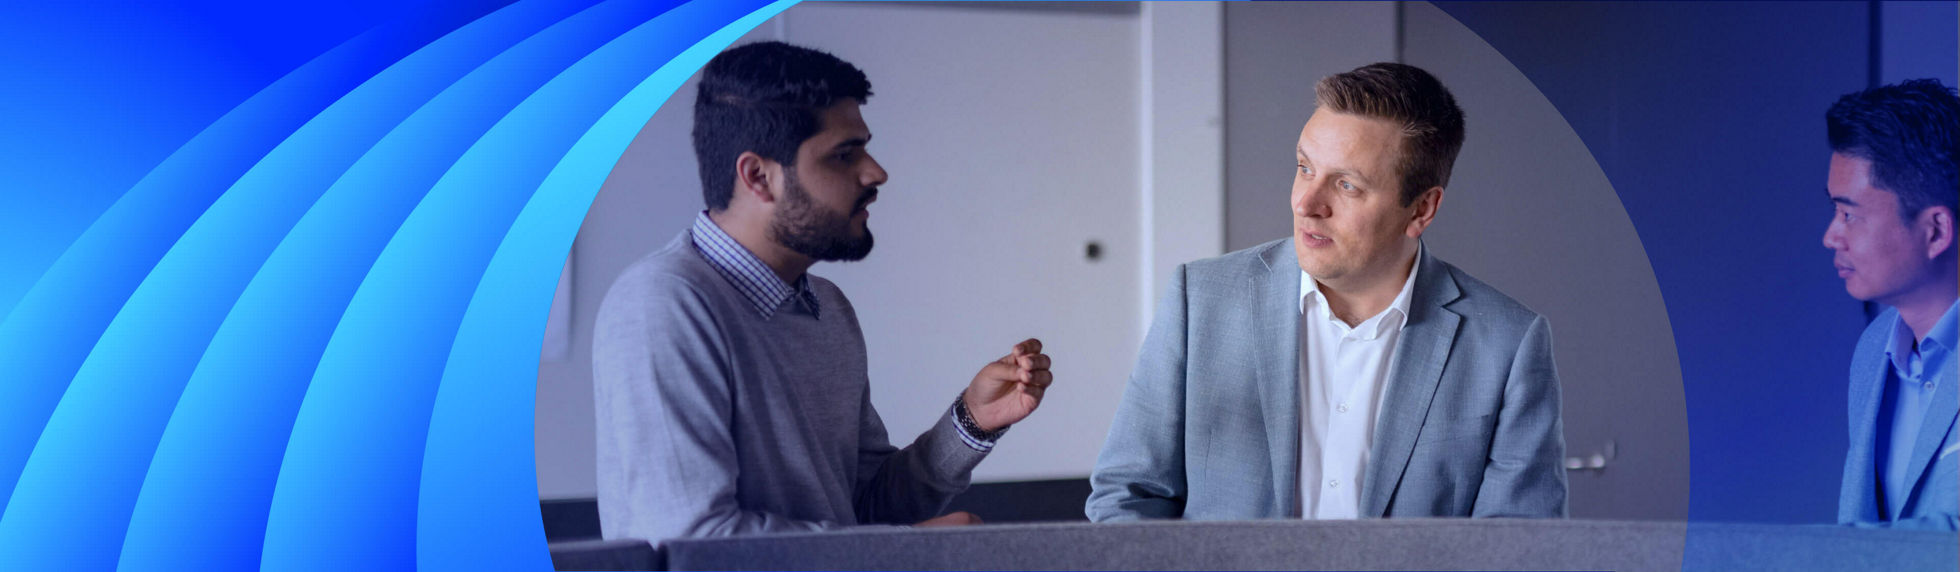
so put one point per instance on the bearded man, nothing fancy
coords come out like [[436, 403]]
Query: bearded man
[[730, 384]]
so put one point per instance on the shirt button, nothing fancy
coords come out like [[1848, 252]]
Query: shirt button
[[1929, 386], [1334, 483], [1342, 408]]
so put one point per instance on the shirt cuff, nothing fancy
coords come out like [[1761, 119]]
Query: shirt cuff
[[969, 430]]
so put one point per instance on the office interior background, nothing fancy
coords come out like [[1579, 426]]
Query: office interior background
[[1688, 291]]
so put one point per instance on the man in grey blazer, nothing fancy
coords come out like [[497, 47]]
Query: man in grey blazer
[[1344, 372]]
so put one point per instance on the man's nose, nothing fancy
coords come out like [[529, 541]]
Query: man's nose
[[875, 175], [1308, 202]]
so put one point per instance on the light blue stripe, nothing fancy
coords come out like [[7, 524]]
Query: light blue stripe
[[220, 454], [73, 501], [348, 489]]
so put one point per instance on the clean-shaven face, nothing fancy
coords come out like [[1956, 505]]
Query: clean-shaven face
[[1873, 248], [1349, 224]]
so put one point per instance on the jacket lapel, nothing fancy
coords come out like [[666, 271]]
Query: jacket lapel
[[1932, 432], [1418, 368], [1276, 291], [1860, 503]]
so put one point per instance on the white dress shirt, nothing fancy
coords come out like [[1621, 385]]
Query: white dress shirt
[[1343, 371]]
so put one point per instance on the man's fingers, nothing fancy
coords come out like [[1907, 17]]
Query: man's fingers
[[1036, 361], [1003, 371], [1028, 347], [1035, 391], [1040, 379]]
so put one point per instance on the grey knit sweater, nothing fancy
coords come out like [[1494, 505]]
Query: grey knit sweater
[[713, 420]]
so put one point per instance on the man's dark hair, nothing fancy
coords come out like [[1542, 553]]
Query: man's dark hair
[[764, 97], [1910, 131], [1432, 124]]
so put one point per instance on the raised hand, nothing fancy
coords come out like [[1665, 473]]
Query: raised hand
[[1010, 388]]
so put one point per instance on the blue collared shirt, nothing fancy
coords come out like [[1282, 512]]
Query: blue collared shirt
[[1910, 384], [755, 280]]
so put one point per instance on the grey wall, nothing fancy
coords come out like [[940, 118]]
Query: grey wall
[[1274, 52], [1529, 211]]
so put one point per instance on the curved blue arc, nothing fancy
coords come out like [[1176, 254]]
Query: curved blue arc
[[100, 93], [49, 333], [74, 498], [478, 497], [346, 492], [220, 453]]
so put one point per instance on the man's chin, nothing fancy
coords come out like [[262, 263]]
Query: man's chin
[[860, 248], [1860, 293], [1315, 266]]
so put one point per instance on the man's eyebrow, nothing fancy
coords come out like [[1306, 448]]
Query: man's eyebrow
[[1846, 201], [852, 142], [1335, 170]]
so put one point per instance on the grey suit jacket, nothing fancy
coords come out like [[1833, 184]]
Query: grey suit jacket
[[1209, 427]]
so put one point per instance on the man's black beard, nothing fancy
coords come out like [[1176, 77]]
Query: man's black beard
[[808, 228]]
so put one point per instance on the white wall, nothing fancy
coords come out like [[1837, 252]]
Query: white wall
[[1011, 140], [1183, 132]]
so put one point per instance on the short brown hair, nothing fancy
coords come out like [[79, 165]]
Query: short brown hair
[[1432, 124]]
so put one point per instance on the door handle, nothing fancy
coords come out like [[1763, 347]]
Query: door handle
[[1596, 461]]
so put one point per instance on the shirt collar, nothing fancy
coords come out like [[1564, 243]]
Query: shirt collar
[[1937, 344], [755, 280], [1389, 320]]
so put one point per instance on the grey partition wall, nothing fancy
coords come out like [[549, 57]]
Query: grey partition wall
[[1416, 544]]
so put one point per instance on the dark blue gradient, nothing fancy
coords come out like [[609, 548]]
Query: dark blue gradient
[[100, 91], [45, 338], [74, 495]]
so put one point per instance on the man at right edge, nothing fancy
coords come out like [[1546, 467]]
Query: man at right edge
[[1893, 186]]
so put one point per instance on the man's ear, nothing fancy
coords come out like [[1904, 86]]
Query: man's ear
[[1426, 205], [755, 177], [1936, 230]]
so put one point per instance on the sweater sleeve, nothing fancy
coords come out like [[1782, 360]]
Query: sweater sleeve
[[905, 486]]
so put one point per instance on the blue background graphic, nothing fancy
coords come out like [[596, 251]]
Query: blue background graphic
[[275, 276]]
